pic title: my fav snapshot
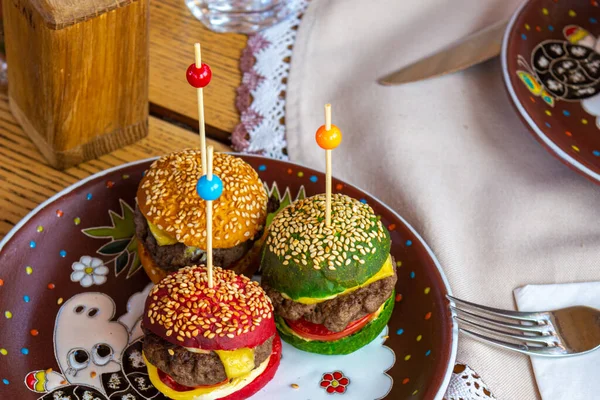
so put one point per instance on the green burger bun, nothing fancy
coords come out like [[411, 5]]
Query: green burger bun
[[304, 259]]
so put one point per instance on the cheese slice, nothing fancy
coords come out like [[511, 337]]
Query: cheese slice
[[238, 362], [218, 392], [385, 271], [162, 237]]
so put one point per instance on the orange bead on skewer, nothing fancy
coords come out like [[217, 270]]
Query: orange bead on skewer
[[328, 139]]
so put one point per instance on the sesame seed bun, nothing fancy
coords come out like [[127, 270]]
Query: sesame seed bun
[[167, 198], [235, 313], [303, 258]]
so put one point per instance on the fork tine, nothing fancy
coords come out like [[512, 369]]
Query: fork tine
[[522, 316], [547, 340], [543, 329], [521, 348]]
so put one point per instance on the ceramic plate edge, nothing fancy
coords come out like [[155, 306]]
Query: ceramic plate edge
[[507, 82]]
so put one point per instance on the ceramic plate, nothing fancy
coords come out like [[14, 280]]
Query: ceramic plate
[[72, 292], [551, 67]]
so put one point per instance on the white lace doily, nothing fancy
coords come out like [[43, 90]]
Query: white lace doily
[[466, 384], [265, 65], [261, 98]]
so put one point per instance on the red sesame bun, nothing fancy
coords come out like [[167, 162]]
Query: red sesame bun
[[167, 198], [235, 313]]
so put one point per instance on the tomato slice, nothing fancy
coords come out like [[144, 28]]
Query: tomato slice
[[313, 331], [170, 382]]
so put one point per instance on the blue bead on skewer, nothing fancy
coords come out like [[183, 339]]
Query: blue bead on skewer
[[209, 190]]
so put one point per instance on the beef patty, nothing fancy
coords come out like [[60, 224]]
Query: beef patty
[[178, 255], [336, 313], [193, 369]]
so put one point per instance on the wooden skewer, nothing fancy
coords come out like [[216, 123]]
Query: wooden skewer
[[209, 221], [201, 111], [328, 169]]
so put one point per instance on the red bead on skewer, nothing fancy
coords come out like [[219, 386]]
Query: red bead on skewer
[[198, 77]]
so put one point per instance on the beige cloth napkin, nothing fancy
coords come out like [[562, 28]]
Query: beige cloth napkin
[[448, 154]]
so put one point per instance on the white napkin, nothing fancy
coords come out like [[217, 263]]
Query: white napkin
[[574, 378], [449, 154]]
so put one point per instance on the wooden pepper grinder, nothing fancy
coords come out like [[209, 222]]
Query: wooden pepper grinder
[[78, 74]]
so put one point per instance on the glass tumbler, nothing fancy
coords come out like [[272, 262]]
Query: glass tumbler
[[241, 16]]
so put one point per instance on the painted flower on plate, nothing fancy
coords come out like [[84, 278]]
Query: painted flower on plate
[[334, 382], [89, 271]]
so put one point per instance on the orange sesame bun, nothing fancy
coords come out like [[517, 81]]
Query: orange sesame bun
[[235, 313], [154, 272], [167, 197]]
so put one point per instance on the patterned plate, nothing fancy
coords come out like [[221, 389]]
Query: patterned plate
[[72, 291], [551, 68]]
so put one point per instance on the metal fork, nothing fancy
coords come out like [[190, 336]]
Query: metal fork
[[565, 332]]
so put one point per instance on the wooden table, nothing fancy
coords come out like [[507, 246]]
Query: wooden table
[[25, 178]]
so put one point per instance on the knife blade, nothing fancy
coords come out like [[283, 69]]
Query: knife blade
[[473, 49]]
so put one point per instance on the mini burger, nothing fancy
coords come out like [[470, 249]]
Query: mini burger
[[332, 287], [204, 343], [171, 218]]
